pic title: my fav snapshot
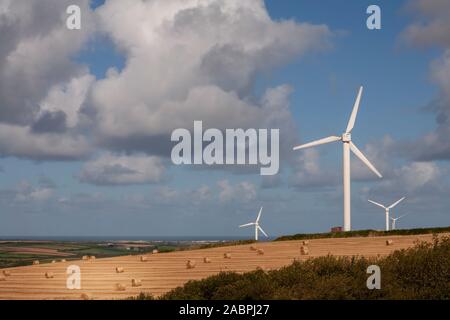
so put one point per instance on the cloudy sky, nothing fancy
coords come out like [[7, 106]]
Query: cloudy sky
[[86, 115]]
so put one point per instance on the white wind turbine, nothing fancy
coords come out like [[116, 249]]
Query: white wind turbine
[[256, 224], [348, 145], [394, 220], [387, 210]]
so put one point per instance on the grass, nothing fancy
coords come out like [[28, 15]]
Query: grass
[[421, 272], [226, 244]]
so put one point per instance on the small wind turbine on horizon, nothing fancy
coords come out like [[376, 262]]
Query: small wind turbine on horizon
[[256, 224], [394, 220], [348, 145], [387, 210]]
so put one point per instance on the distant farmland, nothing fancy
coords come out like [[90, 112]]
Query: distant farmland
[[21, 253]]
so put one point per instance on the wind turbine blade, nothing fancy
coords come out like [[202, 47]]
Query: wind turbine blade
[[259, 214], [318, 142], [363, 158], [403, 215], [262, 231], [247, 224], [396, 203], [377, 204], [351, 121]]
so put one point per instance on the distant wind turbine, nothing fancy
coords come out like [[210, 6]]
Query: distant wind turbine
[[256, 224], [387, 210], [394, 220], [348, 145]]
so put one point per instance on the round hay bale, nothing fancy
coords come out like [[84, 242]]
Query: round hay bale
[[305, 242], [155, 251], [144, 259], [253, 248], [85, 258], [227, 255], [136, 283], [6, 273], [35, 262], [260, 252], [86, 296], [119, 270], [389, 242], [63, 260], [190, 264], [49, 275], [53, 261], [206, 260], [120, 287], [304, 250]]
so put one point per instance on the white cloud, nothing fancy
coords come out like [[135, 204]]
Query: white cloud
[[21, 142], [419, 174], [416, 179], [109, 169], [308, 174], [186, 60], [27, 193], [167, 193], [68, 97], [200, 195], [194, 60], [35, 62], [431, 27], [380, 154], [243, 191], [36, 53]]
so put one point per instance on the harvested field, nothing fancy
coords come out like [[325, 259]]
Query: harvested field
[[165, 271]]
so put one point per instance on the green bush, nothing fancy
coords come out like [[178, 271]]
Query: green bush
[[142, 296], [421, 272]]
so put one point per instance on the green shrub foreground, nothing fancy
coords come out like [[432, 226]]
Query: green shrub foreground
[[421, 272]]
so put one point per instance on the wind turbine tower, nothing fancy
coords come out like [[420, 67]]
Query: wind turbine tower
[[347, 145], [387, 211]]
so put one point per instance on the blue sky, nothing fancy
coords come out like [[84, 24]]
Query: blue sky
[[44, 196]]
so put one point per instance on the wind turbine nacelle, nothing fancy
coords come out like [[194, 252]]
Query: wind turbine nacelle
[[346, 137]]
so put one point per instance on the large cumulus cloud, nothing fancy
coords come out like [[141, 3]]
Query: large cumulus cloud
[[185, 60], [35, 58], [192, 60]]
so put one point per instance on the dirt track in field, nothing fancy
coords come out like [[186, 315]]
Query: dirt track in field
[[165, 271]]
